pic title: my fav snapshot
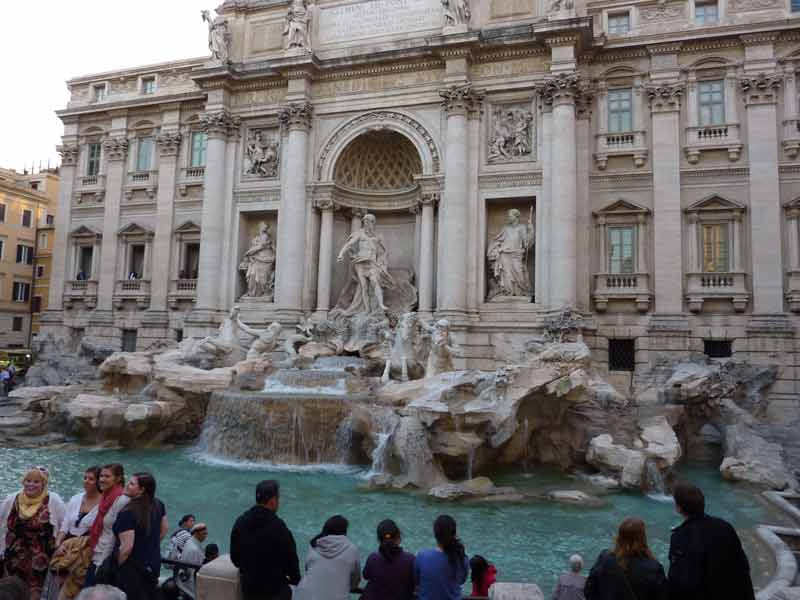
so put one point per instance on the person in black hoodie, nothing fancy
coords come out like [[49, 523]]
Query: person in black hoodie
[[629, 571], [263, 548], [706, 559]]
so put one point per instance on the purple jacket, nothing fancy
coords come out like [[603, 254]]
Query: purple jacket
[[389, 580]]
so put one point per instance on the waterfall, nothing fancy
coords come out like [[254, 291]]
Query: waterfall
[[526, 442], [470, 462], [379, 454], [654, 483]]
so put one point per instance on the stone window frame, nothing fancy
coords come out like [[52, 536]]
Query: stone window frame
[[612, 13], [719, 4], [92, 135], [141, 130], [134, 234], [725, 136], [631, 143], [792, 228], [22, 288], [140, 84], [82, 237], [96, 85], [186, 233], [190, 176], [791, 106]]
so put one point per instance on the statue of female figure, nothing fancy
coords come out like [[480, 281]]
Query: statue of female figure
[[258, 263], [508, 257], [218, 36], [456, 12], [297, 25]]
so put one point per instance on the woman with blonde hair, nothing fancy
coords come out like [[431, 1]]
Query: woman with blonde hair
[[629, 571], [29, 522]]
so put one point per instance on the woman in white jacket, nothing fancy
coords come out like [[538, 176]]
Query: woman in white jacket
[[333, 569], [29, 522]]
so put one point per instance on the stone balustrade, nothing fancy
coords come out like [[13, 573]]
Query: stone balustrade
[[137, 290], [189, 177], [633, 287], [146, 181], [629, 143], [717, 286], [713, 137], [181, 289], [84, 290]]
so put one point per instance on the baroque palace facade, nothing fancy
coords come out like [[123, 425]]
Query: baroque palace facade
[[636, 160]]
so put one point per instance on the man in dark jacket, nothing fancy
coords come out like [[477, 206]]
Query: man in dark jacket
[[263, 549], [706, 559]]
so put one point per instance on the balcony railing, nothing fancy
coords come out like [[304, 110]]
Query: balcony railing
[[182, 289], [729, 286], [629, 143], [793, 290], [137, 290], [84, 290], [791, 137], [633, 287], [724, 136], [190, 176], [141, 180]]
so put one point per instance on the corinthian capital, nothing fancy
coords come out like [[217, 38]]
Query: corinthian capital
[[565, 88], [665, 97], [116, 148], [169, 142], [69, 154], [296, 115], [461, 99], [761, 89], [220, 123]]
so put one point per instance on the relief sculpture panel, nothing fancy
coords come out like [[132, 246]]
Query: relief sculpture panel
[[262, 153], [510, 133]]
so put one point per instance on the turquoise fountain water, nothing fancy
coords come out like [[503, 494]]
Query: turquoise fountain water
[[527, 542]]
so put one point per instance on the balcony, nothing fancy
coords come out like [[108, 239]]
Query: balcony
[[136, 290], [793, 290], [190, 176], [630, 143], [146, 181], [84, 290], [632, 287], [90, 187], [181, 289], [791, 137], [717, 286], [713, 137]]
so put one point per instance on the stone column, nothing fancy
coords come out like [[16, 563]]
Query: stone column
[[426, 253], [58, 276], [457, 102], [789, 92], [562, 91], [692, 116], [169, 143], [583, 145], [760, 95], [543, 205], [794, 259], [731, 99], [736, 234], [116, 151], [603, 233], [693, 258], [289, 268], [326, 208], [641, 244], [667, 222], [218, 126]]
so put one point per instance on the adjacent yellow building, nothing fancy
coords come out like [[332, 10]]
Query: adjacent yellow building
[[27, 210]]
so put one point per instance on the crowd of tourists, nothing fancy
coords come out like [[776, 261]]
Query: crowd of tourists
[[105, 544]]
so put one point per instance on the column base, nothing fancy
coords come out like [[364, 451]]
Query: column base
[[455, 316], [289, 316], [321, 314]]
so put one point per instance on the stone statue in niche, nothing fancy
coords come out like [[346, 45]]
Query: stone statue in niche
[[258, 264], [219, 38], [370, 267], [440, 358], [456, 12], [511, 137], [298, 25], [262, 154], [508, 258]]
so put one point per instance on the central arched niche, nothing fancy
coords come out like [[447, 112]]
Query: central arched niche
[[376, 172], [378, 161]]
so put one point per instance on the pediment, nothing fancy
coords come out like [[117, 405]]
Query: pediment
[[715, 203], [85, 231], [792, 203], [188, 227], [134, 229], [623, 207]]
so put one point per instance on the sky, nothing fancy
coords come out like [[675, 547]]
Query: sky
[[46, 42]]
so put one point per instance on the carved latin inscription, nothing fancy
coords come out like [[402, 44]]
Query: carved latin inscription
[[377, 18]]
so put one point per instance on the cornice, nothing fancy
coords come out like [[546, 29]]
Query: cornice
[[389, 69], [178, 65], [150, 100], [564, 39], [760, 38], [716, 172], [490, 56], [616, 56], [645, 178], [510, 180], [669, 48]]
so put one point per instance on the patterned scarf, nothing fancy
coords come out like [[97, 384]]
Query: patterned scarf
[[106, 502], [27, 507]]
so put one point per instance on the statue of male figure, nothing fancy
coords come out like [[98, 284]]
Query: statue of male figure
[[508, 256]]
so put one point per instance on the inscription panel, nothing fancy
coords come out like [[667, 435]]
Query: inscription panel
[[265, 36], [376, 83], [377, 18]]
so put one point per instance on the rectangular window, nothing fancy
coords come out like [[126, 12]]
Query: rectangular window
[[39, 271], [36, 304], [129, 340], [711, 102], [715, 248], [718, 348], [191, 260], [93, 161], [85, 263], [199, 149], [2, 249], [50, 219], [43, 240], [706, 13], [27, 217], [621, 243], [148, 85], [2, 213], [136, 264], [144, 154], [619, 23], [34, 185], [21, 291], [16, 324], [99, 92], [621, 355], [24, 254], [619, 111]]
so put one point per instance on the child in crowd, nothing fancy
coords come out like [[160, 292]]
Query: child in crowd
[[483, 575]]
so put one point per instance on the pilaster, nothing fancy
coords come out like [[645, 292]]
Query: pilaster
[[324, 203], [69, 152], [116, 152]]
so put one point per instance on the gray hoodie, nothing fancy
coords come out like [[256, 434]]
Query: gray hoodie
[[332, 570]]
